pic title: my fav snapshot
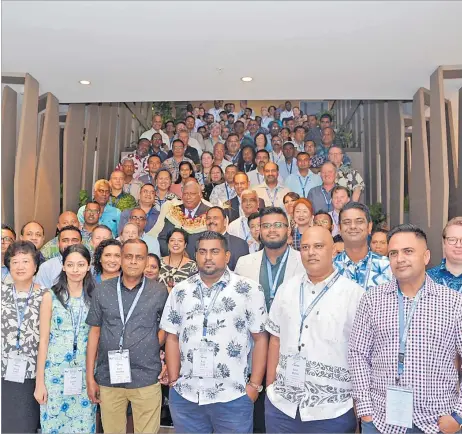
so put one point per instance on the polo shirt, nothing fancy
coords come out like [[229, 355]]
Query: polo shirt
[[109, 218], [140, 332]]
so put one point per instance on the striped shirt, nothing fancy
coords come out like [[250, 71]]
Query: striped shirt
[[435, 336]]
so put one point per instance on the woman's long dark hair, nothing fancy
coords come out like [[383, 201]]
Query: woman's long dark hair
[[61, 289], [241, 163], [97, 266], [183, 163]]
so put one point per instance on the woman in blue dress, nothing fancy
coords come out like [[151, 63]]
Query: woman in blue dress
[[60, 386]]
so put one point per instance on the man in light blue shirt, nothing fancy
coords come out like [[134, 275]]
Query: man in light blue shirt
[[288, 166], [303, 181], [50, 270], [109, 215], [138, 217]]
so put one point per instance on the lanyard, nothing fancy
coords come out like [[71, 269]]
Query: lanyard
[[236, 157], [291, 166], [274, 159], [203, 178], [227, 191], [258, 177], [304, 313], [20, 314], [272, 199], [273, 283], [328, 201], [121, 309], [404, 328], [303, 186], [76, 324], [246, 235], [207, 311]]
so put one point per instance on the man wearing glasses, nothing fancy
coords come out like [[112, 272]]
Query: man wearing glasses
[[8, 238], [138, 217], [357, 261], [449, 272], [90, 220]]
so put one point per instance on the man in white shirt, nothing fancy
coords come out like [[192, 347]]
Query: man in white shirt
[[289, 164], [156, 128], [271, 191], [240, 227], [287, 113], [190, 123], [276, 155], [265, 117], [257, 176], [184, 135], [340, 196], [308, 382], [224, 192], [219, 156], [216, 110], [211, 319]]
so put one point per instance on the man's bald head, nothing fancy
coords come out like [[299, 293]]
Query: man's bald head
[[317, 251], [68, 218]]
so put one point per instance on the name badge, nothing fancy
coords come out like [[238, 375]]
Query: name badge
[[399, 406], [73, 380], [16, 368], [119, 367], [203, 361], [295, 371]]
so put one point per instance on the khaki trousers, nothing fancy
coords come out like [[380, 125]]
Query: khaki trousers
[[146, 405]]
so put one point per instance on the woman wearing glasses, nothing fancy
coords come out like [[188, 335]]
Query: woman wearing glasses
[[61, 387], [21, 300]]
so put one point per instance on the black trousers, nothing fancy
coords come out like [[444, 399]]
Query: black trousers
[[259, 411]]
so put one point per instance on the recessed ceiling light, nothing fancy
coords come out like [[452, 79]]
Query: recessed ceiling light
[[85, 82], [246, 79]]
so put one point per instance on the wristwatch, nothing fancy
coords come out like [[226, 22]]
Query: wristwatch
[[257, 387], [458, 419]]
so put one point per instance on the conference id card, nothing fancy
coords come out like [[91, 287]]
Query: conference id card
[[16, 368], [73, 381], [203, 361], [399, 406], [119, 367], [295, 371]]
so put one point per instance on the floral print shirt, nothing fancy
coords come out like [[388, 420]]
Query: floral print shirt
[[349, 178], [29, 339], [238, 311]]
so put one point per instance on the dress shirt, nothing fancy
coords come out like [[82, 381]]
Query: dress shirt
[[148, 135], [441, 275], [221, 193], [224, 164], [349, 178], [110, 217], [151, 219], [286, 169], [240, 228], [335, 220], [434, 339], [272, 197], [256, 178], [320, 198], [287, 114], [147, 178], [296, 182], [141, 164], [377, 273], [152, 243], [239, 310], [265, 121], [49, 272], [315, 135], [5, 273], [324, 152], [300, 147], [216, 113], [277, 158], [192, 213], [327, 392], [174, 167]]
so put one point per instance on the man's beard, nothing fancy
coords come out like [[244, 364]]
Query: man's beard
[[273, 245]]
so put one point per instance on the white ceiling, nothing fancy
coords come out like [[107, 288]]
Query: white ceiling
[[155, 51]]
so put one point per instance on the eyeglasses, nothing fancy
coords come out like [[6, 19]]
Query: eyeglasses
[[358, 222], [138, 219], [452, 241], [276, 225], [7, 240], [322, 222], [92, 211]]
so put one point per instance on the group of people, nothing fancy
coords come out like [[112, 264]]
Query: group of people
[[229, 265]]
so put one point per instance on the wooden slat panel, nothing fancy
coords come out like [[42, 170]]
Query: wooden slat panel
[[47, 192], [396, 162], [123, 126], [374, 155], [439, 165], [9, 131], [459, 175], [73, 156], [419, 186], [89, 147], [113, 121], [26, 155], [103, 141], [384, 151], [367, 153], [455, 194]]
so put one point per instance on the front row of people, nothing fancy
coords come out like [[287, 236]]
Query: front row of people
[[329, 348]]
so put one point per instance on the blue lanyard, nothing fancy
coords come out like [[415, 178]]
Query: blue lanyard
[[121, 309], [20, 314], [303, 186], [244, 230], [291, 166], [328, 201], [273, 283], [227, 191], [274, 159], [304, 313], [76, 324], [236, 157], [272, 199], [404, 328], [203, 178], [207, 311]]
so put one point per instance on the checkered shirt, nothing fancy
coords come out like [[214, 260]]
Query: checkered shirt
[[435, 335]]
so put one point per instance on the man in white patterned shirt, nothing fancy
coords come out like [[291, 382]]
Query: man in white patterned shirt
[[210, 320], [272, 191], [308, 382], [403, 345], [224, 192]]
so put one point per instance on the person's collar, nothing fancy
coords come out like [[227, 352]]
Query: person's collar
[[193, 211], [428, 287], [135, 288], [279, 258], [349, 261], [326, 280], [223, 280]]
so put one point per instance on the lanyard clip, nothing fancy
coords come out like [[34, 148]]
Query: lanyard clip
[[401, 357]]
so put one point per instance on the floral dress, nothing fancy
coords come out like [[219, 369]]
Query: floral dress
[[61, 413]]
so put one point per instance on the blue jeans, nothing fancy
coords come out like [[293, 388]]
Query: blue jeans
[[279, 422], [369, 428], [223, 417]]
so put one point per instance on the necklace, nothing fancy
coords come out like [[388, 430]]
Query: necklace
[[171, 274]]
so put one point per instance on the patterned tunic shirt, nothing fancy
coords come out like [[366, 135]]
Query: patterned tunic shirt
[[141, 164], [239, 310], [174, 167], [370, 271], [441, 275], [435, 336]]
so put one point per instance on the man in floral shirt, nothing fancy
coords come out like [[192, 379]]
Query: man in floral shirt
[[210, 318], [139, 158]]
